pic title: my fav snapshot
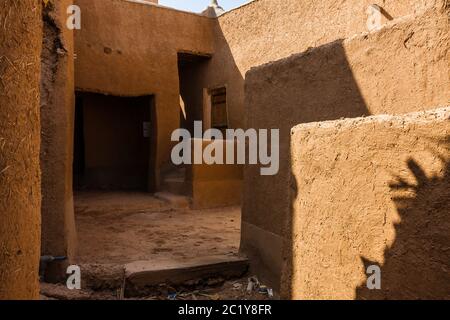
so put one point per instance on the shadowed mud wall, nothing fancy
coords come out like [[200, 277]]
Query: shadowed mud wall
[[268, 30], [57, 115], [401, 68], [215, 185], [130, 49], [20, 190], [370, 191]]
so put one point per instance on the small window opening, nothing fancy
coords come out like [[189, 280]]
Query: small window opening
[[219, 114]]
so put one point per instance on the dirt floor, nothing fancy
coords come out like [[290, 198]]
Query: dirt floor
[[115, 228], [118, 227]]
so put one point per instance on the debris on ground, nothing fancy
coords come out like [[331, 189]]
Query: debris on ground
[[252, 284], [237, 286], [172, 296], [228, 290]]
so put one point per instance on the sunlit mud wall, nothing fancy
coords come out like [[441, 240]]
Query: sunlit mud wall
[[57, 116], [20, 189], [399, 69], [370, 191]]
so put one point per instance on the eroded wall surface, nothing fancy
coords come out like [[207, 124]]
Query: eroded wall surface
[[20, 189], [398, 69], [56, 155], [130, 49], [370, 191]]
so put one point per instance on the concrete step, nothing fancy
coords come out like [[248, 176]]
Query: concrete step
[[143, 276], [175, 200]]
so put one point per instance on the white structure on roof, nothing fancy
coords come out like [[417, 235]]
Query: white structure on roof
[[213, 10]]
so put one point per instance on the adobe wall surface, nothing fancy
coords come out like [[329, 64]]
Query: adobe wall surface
[[20, 190], [130, 49], [370, 191], [269, 30], [57, 116], [215, 185], [401, 68]]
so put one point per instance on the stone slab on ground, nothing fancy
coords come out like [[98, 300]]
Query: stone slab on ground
[[142, 275]]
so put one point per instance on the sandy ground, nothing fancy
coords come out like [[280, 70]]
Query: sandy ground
[[118, 227], [115, 228]]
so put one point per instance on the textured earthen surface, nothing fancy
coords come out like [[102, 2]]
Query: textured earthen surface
[[269, 30], [57, 110], [398, 69], [20, 193], [214, 185], [141, 41], [120, 227], [370, 191]]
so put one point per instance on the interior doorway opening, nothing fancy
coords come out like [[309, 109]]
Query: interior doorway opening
[[114, 142], [191, 69]]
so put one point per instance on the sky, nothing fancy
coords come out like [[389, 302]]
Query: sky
[[200, 5]]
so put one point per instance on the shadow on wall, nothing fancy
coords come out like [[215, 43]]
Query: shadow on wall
[[417, 265], [222, 71], [316, 85], [190, 68], [198, 72]]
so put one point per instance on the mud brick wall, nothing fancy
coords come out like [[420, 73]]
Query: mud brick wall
[[20, 189], [56, 154], [370, 191], [399, 69]]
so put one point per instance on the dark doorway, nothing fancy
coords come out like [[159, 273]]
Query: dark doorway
[[191, 68], [114, 142]]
